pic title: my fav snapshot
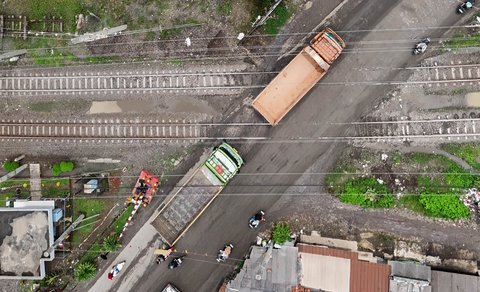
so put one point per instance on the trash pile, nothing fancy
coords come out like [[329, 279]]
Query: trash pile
[[471, 199]]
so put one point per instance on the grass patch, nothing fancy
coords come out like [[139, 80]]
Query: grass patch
[[56, 188], [92, 253], [224, 9], [463, 41], [89, 207], [53, 58], [446, 205], [468, 152], [175, 61], [277, 20], [368, 193], [43, 106], [412, 202], [122, 219]]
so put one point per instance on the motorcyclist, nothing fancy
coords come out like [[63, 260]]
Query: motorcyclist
[[176, 262], [256, 219], [421, 47]]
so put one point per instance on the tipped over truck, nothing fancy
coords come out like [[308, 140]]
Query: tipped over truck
[[299, 76]]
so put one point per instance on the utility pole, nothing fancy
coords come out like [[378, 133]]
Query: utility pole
[[79, 220], [261, 20]]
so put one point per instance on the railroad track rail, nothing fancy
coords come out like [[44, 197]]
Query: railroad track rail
[[464, 127], [113, 131], [146, 82], [439, 75]]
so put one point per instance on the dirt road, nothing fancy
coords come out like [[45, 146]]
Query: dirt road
[[226, 221]]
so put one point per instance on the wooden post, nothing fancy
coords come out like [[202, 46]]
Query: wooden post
[[24, 27], [1, 26]]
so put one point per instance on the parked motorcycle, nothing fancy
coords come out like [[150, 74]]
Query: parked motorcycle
[[175, 263], [421, 47], [224, 253], [256, 219], [465, 6], [164, 254], [115, 270]]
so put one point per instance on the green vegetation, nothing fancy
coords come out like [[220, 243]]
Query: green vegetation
[[64, 166], [89, 207], [469, 152], [224, 8], [43, 106], [281, 233], [368, 193], [53, 59], [431, 183], [277, 20], [56, 188], [446, 205], [176, 61], [463, 41], [10, 165], [111, 243], [85, 271], [122, 219]]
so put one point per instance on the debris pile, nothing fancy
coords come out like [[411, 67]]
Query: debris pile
[[471, 199]]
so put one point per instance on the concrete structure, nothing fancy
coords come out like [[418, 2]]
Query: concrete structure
[[452, 282], [98, 35], [267, 269], [26, 231], [410, 277], [35, 181]]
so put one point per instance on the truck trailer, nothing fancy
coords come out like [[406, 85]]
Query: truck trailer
[[299, 76], [187, 202]]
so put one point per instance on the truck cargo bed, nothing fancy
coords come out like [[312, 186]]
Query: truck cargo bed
[[187, 202], [288, 87]]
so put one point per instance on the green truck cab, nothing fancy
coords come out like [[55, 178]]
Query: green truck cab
[[224, 162]]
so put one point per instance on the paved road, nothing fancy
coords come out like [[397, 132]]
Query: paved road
[[226, 220]]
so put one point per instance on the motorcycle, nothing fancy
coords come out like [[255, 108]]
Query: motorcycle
[[421, 47], [164, 254], [467, 5], [175, 263], [224, 253], [115, 270], [256, 219]]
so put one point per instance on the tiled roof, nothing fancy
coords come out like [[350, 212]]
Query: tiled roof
[[364, 276], [299, 288]]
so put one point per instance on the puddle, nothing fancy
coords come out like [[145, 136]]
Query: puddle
[[104, 107], [473, 99], [138, 106], [192, 106]]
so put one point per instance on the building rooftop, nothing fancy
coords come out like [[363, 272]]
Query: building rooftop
[[362, 275], [267, 269], [25, 233]]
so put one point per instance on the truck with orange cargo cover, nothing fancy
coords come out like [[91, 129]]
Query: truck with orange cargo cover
[[299, 76]]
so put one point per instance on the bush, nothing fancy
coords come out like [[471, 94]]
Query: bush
[[56, 170], [457, 177], [281, 233], [446, 206], [368, 193], [111, 243], [85, 271], [10, 165], [64, 166]]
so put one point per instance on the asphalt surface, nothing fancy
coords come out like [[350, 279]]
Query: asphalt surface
[[226, 219]]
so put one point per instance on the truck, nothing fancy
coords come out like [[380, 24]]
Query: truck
[[299, 76], [187, 202], [145, 187], [170, 288]]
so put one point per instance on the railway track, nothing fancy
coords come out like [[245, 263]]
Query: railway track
[[464, 127], [453, 74], [144, 82], [112, 131]]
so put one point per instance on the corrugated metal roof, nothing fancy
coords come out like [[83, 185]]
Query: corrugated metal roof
[[452, 282], [364, 276]]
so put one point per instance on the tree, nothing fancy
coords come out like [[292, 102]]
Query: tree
[[281, 233], [85, 271], [66, 166], [56, 170], [10, 165], [111, 243]]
